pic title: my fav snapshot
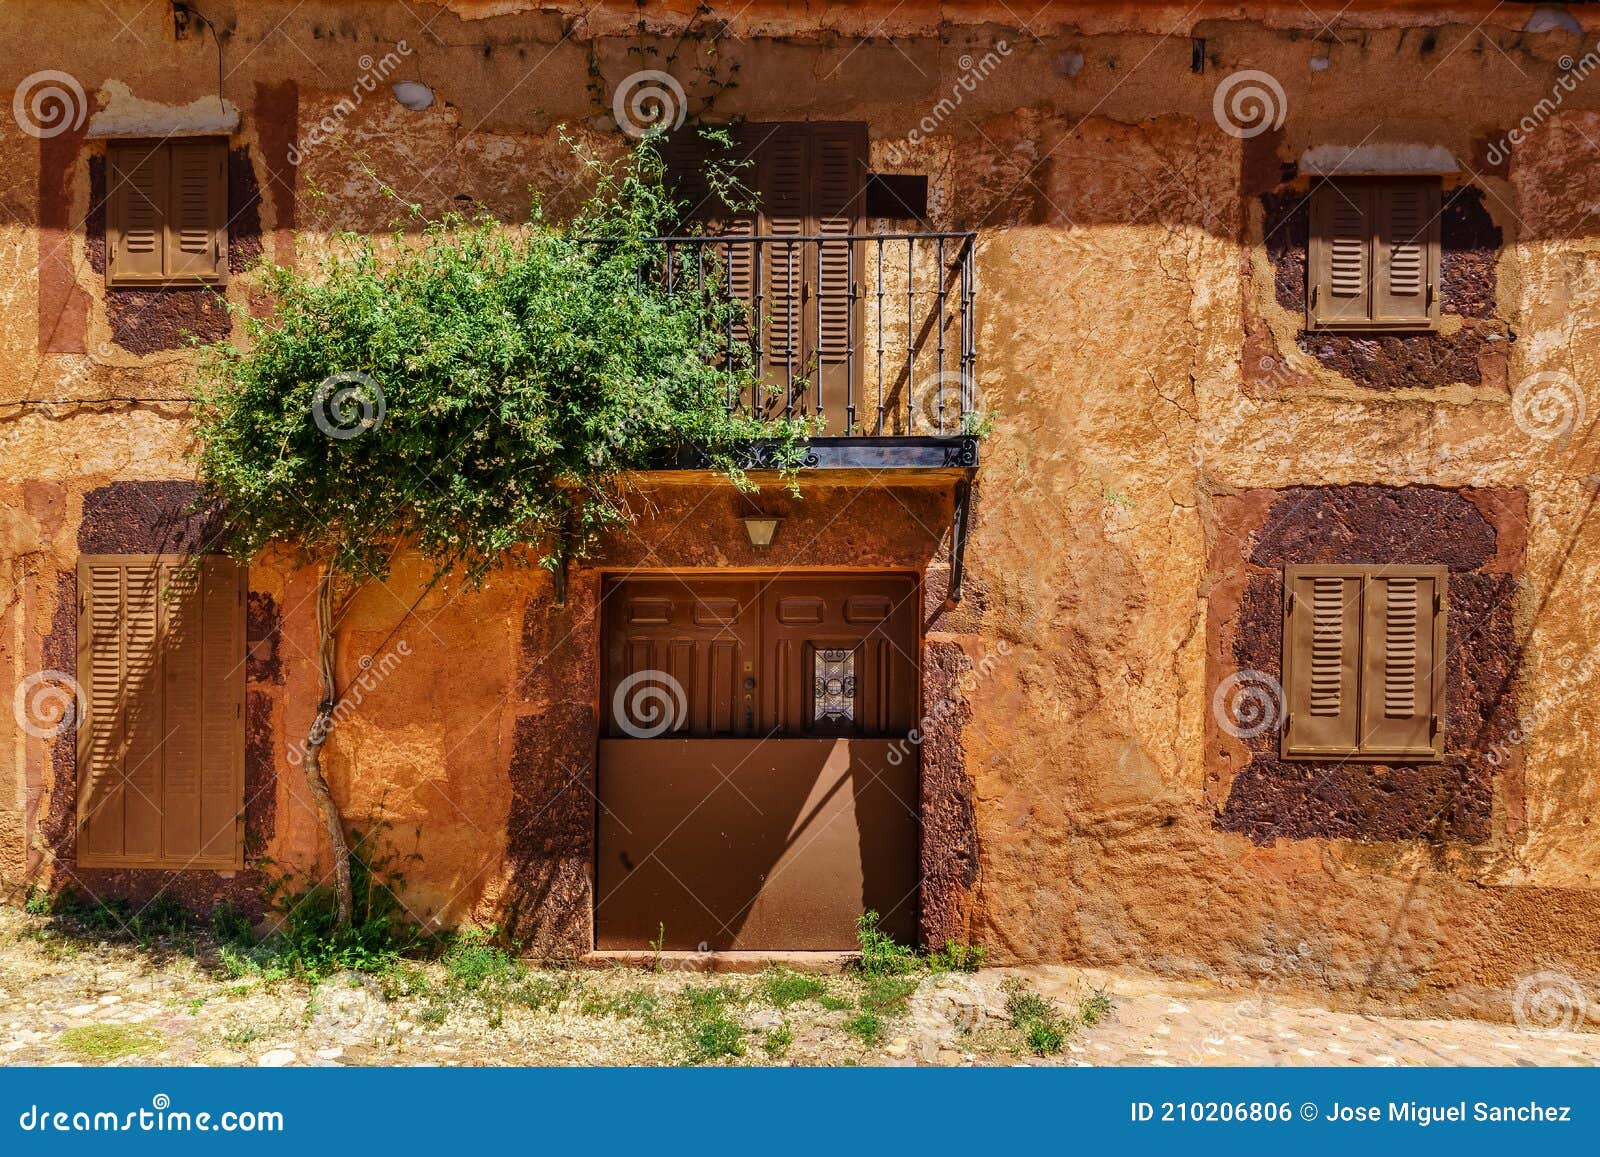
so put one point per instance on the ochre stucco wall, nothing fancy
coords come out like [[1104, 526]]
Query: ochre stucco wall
[[1146, 379]]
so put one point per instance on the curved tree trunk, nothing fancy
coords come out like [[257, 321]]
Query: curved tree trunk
[[317, 737]]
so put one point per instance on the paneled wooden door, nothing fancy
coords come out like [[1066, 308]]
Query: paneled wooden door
[[757, 786]]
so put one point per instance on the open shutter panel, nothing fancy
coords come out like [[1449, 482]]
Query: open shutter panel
[[222, 719], [120, 744], [838, 167], [100, 650], [1407, 251], [136, 199], [197, 220], [1341, 218], [781, 159], [182, 709], [1322, 640], [1403, 708], [144, 750]]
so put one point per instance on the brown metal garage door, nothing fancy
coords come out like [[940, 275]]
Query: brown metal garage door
[[756, 787]]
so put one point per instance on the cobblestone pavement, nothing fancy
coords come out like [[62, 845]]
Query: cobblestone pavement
[[75, 1000], [1161, 1023]]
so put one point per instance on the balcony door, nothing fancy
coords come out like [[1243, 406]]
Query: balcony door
[[757, 785], [800, 276]]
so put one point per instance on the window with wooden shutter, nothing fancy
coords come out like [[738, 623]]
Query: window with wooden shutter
[[1374, 254], [1363, 662], [167, 212], [161, 647]]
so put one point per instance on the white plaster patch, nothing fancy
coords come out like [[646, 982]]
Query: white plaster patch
[[412, 94], [1345, 161], [124, 115], [1550, 19]]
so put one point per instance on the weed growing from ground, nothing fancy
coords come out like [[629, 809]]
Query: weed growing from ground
[[620, 1005], [781, 987], [1094, 1008], [778, 1041], [880, 954], [866, 1027], [887, 995], [1038, 1018], [957, 957], [110, 1042], [708, 1030]]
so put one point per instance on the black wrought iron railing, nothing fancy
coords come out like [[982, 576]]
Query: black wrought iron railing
[[875, 334]]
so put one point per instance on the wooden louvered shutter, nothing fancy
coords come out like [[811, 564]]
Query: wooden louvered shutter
[[136, 211], [120, 742], [1407, 252], [1402, 663], [838, 170], [161, 753], [1341, 253], [1321, 661], [683, 161], [784, 186], [197, 214]]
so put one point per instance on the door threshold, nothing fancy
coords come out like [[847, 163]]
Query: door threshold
[[740, 961]]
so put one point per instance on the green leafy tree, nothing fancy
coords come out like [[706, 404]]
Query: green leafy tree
[[475, 394]]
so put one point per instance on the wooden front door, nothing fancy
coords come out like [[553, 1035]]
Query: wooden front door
[[757, 786]]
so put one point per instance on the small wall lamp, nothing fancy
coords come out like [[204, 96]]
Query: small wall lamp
[[761, 528]]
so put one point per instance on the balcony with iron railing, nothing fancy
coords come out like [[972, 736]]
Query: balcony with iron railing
[[873, 335]]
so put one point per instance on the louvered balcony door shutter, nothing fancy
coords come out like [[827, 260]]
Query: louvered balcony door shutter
[[781, 158], [837, 163], [1407, 252], [1341, 233], [1322, 632], [1403, 683]]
